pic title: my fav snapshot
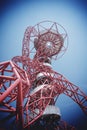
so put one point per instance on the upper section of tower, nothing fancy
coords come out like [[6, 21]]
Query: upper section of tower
[[44, 39]]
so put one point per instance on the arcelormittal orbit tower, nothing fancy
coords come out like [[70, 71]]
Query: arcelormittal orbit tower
[[29, 87]]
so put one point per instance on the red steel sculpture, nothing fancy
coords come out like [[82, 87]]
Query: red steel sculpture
[[29, 87]]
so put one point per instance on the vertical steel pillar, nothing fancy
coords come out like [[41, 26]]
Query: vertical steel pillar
[[20, 106]]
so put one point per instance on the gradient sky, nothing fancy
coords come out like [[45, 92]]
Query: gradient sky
[[16, 15]]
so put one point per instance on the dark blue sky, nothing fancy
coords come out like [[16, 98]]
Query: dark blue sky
[[16, 15]]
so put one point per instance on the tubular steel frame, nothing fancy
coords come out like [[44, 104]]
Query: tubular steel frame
[[17, 77]]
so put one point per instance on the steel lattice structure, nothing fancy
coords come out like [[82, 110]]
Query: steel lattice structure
[[28, 84]]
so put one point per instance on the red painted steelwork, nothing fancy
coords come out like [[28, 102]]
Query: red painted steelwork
[[17, 77]]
